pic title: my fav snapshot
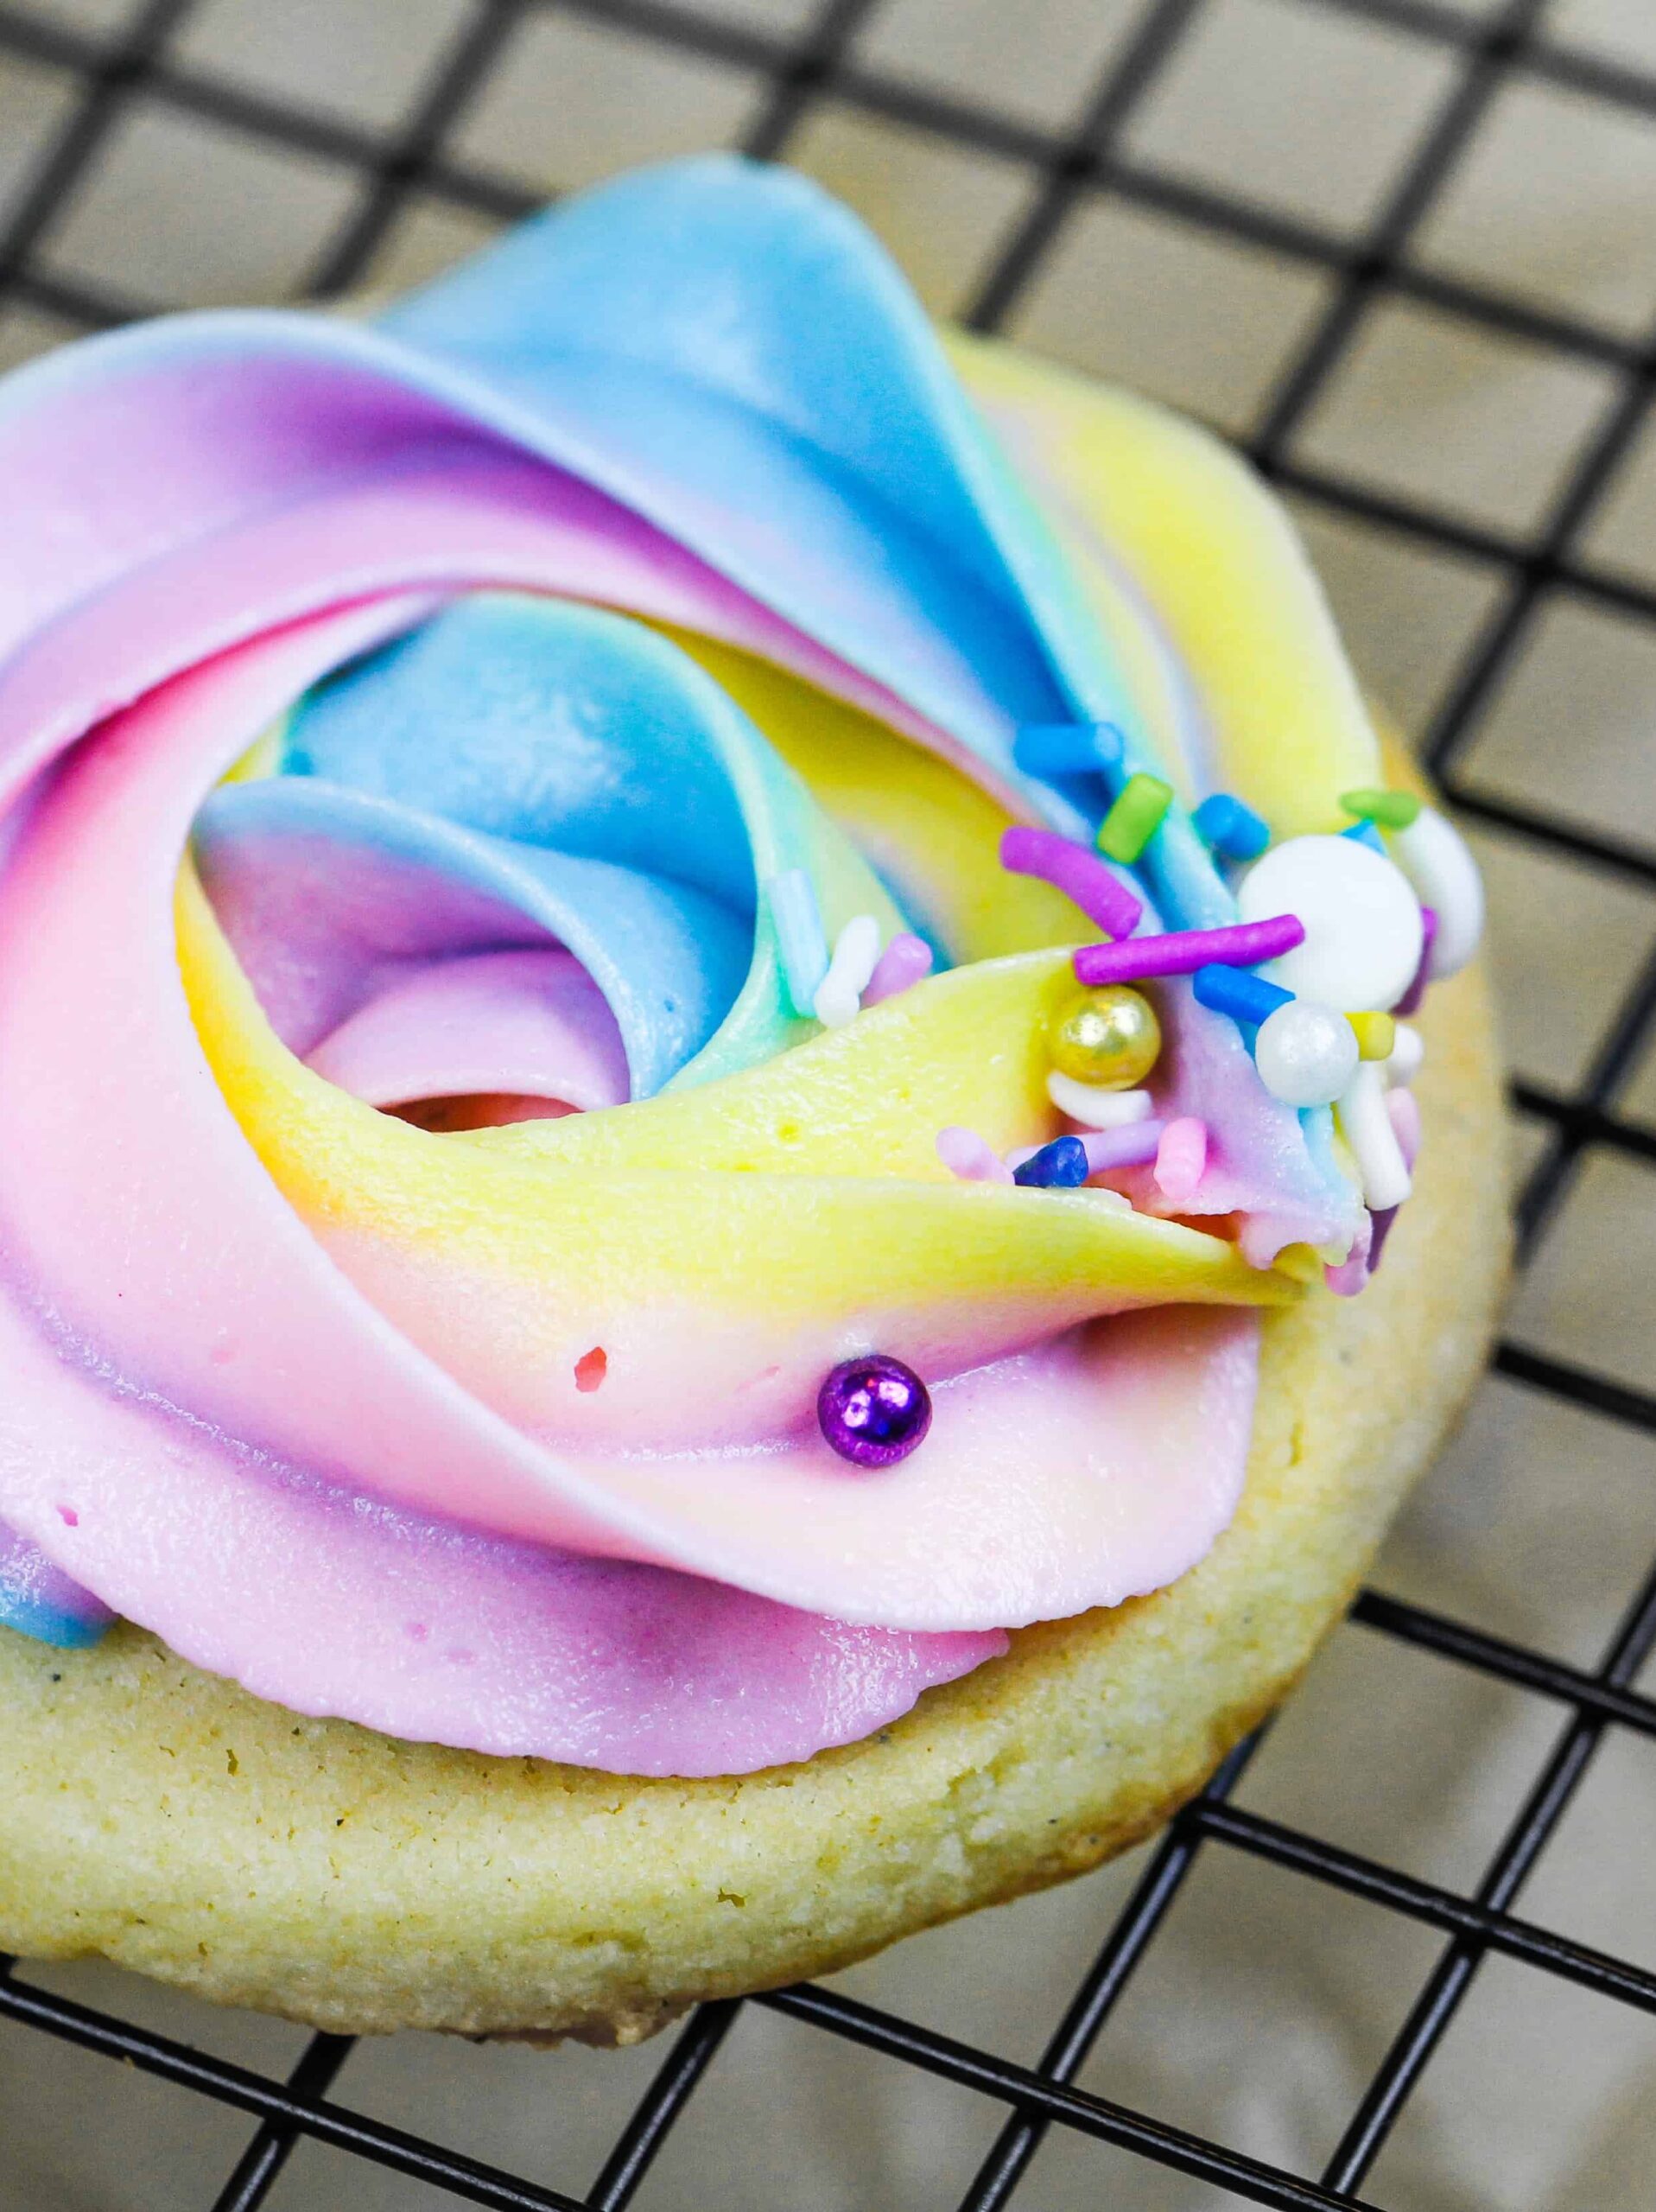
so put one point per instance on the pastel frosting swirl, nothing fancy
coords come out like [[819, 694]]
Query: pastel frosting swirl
[[419, 712]]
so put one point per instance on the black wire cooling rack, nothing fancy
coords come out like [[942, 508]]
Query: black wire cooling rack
[[112, 72]]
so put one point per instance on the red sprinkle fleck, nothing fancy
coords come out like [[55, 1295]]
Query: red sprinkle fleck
[[590, 1368]]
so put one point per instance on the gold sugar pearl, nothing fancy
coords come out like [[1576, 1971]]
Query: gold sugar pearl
[[1108, 1036]]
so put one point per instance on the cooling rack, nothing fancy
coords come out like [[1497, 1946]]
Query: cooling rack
[[118, 57]]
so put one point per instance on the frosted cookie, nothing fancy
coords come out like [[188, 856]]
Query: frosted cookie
[[699, 1077]]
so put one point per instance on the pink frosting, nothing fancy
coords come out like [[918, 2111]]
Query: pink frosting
[[260, 1334], [139, 1223], [275, 490], [1254, 1162], [329, 1604], [533, 1023]]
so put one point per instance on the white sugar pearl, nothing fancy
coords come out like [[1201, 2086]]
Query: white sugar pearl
[[1432, 853], [839, 996], [1306, 1053], [1362, 921]]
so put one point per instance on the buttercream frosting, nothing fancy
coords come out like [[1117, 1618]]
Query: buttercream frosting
[[427, 1206]]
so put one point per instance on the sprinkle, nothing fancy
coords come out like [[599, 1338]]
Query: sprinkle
[[1135, 819], [875, 1410], [1233, 830], [1081, 876], [1382, 1229], [1407, 1054], [1410, 1003], [1364, 833], [1359, 911], [1182, 951], [906, 960], [971, 1157], [1046, 749], [1060, 1165], [1404, 1109], [1404, 1112], [1090, 1104], [838, 998], [1367, 1127], [1376, 1035], [1181, 1159], [1433, 854], [1106, 1035], [1234, 991], [1306, 1053], [1136, 1145], [1391, 810], [801, 943]]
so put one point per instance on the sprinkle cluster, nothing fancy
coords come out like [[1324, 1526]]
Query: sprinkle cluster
[[1338, 936]]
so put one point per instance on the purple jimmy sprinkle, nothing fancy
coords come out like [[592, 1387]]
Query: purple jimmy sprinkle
[[1080, 875], [1244, 944], [1135, 1146]]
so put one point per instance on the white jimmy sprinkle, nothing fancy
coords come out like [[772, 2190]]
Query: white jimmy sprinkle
[[838, 998]]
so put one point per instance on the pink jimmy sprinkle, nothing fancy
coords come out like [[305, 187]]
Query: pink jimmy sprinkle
[[1244, 944], [1080, 875], [1403, 1111], [1410, 1003], [971, 1157], [906, 960], [1181, 1159]]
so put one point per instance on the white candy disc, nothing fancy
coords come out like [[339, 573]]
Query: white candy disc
[[1432, 853], [1306, 1053], [1361, 918]]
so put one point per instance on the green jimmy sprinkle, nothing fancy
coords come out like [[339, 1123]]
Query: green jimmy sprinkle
[[1135, 817], [1391, 810]]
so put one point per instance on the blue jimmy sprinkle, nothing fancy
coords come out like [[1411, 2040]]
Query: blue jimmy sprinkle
[[1233, 830], [1047, 749], [1060, 1165], [1235, 991]]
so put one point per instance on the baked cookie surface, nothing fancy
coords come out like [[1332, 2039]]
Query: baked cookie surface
[[168, 1821]]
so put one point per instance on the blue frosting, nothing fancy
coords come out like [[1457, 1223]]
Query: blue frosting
[[725, 351], [573, 771], [39, 1601], [671, 324]]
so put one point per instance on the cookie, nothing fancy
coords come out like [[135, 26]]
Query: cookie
[[162, 1818]]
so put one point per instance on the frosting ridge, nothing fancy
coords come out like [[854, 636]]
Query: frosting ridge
[[447, 1184]]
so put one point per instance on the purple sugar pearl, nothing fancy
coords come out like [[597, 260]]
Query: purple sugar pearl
[[875, 1410]]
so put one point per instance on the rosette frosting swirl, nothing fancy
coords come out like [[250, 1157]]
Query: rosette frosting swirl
[[427, 1211]]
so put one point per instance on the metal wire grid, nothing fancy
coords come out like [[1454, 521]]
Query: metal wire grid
[[798, 72]]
